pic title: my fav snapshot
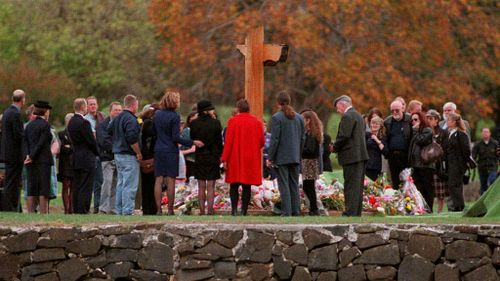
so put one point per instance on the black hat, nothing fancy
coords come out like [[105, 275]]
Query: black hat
[[204, 105], [43, 104], [342, 98]]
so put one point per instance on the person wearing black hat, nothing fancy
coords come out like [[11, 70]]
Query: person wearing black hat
[[38, 161], [350, 146], [208, 130], [11, 152]]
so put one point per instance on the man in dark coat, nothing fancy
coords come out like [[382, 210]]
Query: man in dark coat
[[84, 155], [399, 134], [11, 152], [350, 145]]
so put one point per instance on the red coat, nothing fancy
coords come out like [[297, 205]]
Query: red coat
[[243, 149]]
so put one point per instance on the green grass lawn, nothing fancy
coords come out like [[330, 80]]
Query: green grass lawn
[[61, 219]]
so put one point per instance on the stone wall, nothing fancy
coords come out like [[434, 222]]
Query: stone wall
[[251, 252]]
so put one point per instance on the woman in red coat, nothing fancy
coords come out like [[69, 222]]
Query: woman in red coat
[[242, 157]]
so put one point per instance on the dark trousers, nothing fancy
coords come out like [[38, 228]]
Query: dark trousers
[[456, 187], [83, 181], [310, 191], [353, 188], [12, 188], [372, 174], [98, 180], [245, 198], [288, 185], [148, 193], [423, 181], [397, 163], [486, 178]]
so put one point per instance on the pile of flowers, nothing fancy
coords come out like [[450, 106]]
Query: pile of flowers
[[378, 196]]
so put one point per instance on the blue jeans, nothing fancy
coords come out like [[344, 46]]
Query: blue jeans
[[127, 168], [486, 178], [97, 183]]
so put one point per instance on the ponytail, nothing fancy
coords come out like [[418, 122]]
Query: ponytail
[[284, 101]]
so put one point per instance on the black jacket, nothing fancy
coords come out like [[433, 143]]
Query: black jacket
[[104, 140], [407, 129], [374, 153], [209, 131], [486, 155], [65, 156], [12, 135], [350, 143], [420, 140], [37, 140], [441, 137], [458, 150], [84, 144], [327, 163]]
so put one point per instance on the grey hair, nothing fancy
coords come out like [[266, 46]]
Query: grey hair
[[450, 104], [68, 117]]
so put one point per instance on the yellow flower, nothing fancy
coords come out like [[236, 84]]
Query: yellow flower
[[408, 207]]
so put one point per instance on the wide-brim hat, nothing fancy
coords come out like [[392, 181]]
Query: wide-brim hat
[[42, 104], [204, 105]]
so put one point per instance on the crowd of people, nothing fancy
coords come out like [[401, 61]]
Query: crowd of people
[[105, 159]]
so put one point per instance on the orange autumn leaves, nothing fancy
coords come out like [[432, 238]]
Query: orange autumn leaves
[[430, 50]]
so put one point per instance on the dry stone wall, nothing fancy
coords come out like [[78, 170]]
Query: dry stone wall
[[251, 252]]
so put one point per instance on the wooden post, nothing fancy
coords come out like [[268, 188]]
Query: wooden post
[[257, 54]]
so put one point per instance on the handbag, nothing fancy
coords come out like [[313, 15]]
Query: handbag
[[147, 166], [431, 153]]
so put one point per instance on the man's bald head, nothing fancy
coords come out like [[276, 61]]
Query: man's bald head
[[397, 109], [18, 96]]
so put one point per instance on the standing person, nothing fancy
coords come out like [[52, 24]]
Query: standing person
[[125, 131], [422, 172], [39, 159], [208, 130], [439, 178], [65, 174], [486, 155], [376, 145], [287, 141], [448, 109], [327, 151], [166, 126], [399, 133], [95, 117], [12, 139], [148, 140], [414, 106], [189, 151], [107, 160], [457, 156], [55, 148], [241, 155], [350, 145], [84, 154], [310, 164]]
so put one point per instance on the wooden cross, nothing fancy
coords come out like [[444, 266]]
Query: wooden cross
[[257, 55]]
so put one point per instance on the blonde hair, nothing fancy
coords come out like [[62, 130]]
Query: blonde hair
[[458, 119], [380, 121], [315, 126], [170, 100]]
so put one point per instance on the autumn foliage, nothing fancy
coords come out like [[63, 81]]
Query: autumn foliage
[[432, 50]]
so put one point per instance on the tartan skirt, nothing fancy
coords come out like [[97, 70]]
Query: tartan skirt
[[440, 187]]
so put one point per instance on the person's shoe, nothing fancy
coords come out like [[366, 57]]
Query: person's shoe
[[233, 213], [243, 212], [96, 211], [314, 213]]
